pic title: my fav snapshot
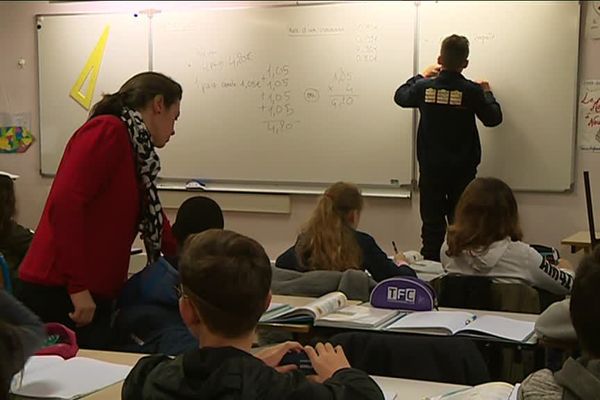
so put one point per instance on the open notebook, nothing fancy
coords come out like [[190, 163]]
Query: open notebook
[[463, 323], [51, 377], [330, 310], [485, 391]]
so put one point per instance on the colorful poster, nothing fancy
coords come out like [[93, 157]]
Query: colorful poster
[[589, 115], [15, 134]]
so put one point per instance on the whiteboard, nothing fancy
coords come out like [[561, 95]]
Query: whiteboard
[[289, 94], [64, 44], [342, 63], [528, 51]]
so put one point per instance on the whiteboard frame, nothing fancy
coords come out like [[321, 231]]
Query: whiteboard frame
[[386, 191]]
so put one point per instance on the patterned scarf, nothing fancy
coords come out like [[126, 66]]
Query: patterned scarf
[[148, 166]]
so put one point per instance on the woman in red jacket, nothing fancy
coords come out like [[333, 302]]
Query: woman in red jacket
[[104, 193]]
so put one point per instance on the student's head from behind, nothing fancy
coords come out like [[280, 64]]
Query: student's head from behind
[[7, 203], [345, 200], [12, 358], [196, 214], [328, 240], [225, 282], [585, 303], [486, 212], [156, 96], [454, 53]]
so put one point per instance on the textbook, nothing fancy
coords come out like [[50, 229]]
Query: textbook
[[331, 310], [447, 323], [52, 377], [485, 391]]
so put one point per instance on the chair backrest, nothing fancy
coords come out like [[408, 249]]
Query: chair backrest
[[461, 291], [432, 358], [480, 293], [5, 278]]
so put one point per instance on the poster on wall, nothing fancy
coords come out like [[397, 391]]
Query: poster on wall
[[592, 29], [15, 133], [589, 115]]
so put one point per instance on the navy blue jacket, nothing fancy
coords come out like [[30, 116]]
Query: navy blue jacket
[[447, 139], [374, 260]]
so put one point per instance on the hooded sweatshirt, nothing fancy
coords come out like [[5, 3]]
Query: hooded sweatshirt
[[510, 261], [228, 373], [577, 380]]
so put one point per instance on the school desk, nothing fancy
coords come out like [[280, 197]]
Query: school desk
[[406, 389]]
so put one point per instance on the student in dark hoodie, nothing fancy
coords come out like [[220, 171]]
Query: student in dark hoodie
[[225, 288], [578, 379]]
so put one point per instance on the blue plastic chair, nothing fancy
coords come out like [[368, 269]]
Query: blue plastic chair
[[6, 274]]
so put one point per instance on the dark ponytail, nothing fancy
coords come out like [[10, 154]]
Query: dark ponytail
[[137, 92]]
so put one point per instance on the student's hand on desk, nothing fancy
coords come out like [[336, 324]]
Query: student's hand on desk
[[326, 360], [272, 356], [84, 306], [432, 70], [485, 85], [399, 259]]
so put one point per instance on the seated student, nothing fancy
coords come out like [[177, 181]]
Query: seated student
[[578, 379], [148, 320], [330, 241], [195, 215], [21, 334], [485, 240], [14, 238], [225, 281]]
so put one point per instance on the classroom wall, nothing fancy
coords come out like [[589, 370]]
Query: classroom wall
[[546, 217]]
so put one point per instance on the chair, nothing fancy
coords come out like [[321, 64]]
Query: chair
[[6, 281], [442, 359], [480, 293]]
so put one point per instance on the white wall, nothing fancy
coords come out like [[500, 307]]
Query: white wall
[[546, 217]]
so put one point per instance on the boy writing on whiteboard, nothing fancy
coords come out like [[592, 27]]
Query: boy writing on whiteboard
[[448, 147]]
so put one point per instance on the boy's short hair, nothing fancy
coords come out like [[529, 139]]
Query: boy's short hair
[[454, 52], [585, 303], [227, 276]]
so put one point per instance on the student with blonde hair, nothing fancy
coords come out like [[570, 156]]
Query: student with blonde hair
[[486, 240], [330, 241]]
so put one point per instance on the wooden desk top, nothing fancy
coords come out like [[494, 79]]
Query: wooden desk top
[[581, 238], [406, 389]]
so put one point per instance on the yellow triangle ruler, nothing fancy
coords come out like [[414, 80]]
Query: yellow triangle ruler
[[90, 73]]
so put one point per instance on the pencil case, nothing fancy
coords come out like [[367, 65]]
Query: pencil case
[[404, 293]]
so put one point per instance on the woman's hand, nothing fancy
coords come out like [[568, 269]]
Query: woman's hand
[[272, 355], [84, 306], [326, 360]]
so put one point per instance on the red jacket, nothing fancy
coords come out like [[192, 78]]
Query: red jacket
[[91, 215]]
